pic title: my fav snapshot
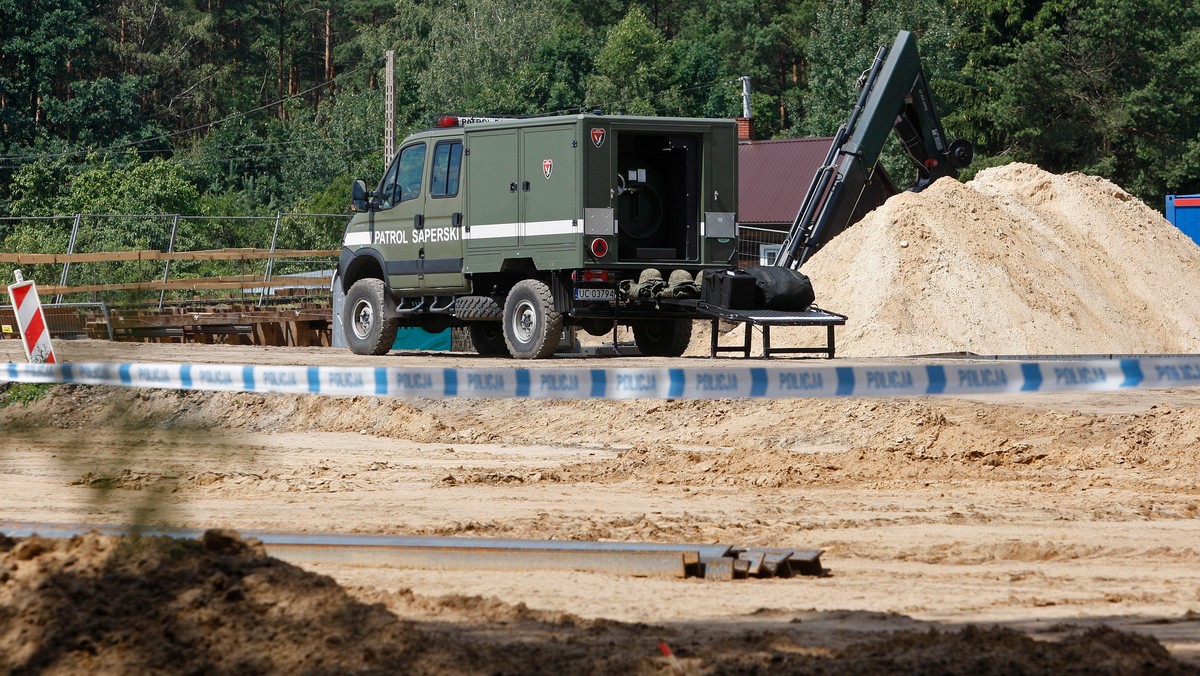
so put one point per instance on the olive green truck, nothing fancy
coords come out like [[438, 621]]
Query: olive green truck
[[519, 228]]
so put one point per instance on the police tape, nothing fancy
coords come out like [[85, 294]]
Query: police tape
[[969, 378]]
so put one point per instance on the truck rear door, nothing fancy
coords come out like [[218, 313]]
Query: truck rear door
[[550, 195], [492, 189]]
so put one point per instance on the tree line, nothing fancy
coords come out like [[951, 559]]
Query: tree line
[[256, 106]]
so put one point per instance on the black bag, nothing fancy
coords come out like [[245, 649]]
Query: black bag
[[782, 289], [731, 289]]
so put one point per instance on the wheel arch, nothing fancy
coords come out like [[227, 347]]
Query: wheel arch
[[360, 264]]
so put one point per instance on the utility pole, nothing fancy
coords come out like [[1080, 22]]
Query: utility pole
[[389, 109]]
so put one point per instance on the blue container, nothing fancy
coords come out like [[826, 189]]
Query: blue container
[[411, 338], [1184, 212]]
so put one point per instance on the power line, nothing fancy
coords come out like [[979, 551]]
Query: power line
[[130, 144], [315, 141], [205, 160], [189, 160]]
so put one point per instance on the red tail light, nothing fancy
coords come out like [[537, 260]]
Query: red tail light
[[589, 276]]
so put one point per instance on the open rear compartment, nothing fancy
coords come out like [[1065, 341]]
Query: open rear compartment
[[658, 197]]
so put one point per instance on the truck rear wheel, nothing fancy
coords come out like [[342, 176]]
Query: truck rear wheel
[[488, 339], [531, 326], [662, 338], [367, 329]]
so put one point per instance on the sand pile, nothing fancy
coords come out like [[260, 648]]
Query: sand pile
[[1016, 261]]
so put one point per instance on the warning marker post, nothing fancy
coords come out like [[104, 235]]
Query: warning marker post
[[31, 323]]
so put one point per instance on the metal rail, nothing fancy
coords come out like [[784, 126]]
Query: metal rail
[[639, 559]]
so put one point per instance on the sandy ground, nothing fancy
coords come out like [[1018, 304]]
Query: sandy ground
[[1045, 514]]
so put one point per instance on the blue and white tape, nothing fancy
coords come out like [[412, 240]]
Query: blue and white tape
[[952, 378]]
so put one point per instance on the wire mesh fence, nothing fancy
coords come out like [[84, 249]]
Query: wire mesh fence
[[158, 276], [758, 246], [64, 320], [161, 277]]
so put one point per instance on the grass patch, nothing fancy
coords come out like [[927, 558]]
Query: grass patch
[[23, 393]]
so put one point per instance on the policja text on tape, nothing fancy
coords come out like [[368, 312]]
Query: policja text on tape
[[784, 382]]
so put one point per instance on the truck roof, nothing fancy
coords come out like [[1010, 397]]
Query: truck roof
[[481, 121]]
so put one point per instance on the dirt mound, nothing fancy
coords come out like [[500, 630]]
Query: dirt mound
[[679, 442], [1001, 651], [100, 604], [1016, 261]]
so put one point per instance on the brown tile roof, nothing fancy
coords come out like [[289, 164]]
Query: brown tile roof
[[774, 175]]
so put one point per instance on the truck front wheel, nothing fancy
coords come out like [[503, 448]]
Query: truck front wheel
[[532, 328], [368, 330], [663, 337], [488, 339]]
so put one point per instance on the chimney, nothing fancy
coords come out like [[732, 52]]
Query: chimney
[[745, 127], [745, 123]]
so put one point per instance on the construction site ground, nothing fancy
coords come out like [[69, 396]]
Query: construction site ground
[[1050, 516]]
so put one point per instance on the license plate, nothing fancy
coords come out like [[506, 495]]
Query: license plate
[[596, 294]]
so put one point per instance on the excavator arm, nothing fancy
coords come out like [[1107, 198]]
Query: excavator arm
[[895, 97]]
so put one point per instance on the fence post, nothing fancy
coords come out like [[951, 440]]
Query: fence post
[[262, 298], [162, 295], [107, 319], [70, 250]]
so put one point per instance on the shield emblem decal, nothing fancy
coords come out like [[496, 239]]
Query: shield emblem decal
[[598, 136], [547, 167]]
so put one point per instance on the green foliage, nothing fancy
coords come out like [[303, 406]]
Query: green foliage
[[474, 46], [196, 107], [631, 69], [843, 46], [764, 39], [23, 393], [121, 185], [1104, 87]]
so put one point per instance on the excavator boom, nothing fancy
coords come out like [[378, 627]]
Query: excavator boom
[[895, 97]]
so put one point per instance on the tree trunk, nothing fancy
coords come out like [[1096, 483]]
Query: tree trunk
[[279, 64]]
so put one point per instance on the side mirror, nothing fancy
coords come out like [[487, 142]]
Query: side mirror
[[360, 199]]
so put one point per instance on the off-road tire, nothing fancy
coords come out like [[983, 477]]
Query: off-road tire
[[532, 328], [367, 329], [478, 307], [488, 339], [663, 337]]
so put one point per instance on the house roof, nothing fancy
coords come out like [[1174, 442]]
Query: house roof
[[774, 175]]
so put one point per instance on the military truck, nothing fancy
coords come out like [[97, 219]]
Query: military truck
[[518, 228]]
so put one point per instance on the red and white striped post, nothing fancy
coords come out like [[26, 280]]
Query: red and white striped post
[[35, 337]]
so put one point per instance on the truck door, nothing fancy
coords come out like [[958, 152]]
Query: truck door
[[401, 207], [441, 237], [492, 189], [549, 195]]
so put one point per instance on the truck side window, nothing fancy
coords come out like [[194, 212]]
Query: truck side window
[[447, 161]]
